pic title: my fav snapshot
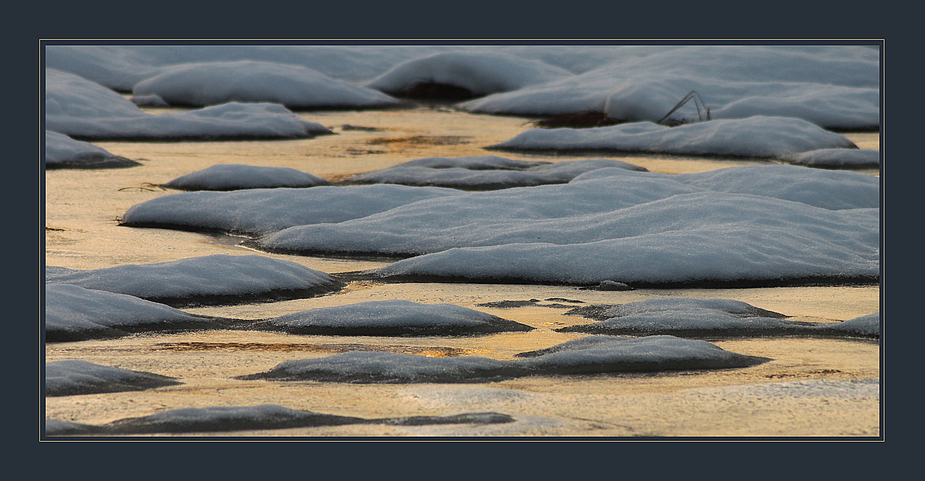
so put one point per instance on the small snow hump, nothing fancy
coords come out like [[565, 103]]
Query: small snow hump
[[68, 378], [614, 355], [391, 318]]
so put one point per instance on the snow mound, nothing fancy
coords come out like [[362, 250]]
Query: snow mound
[[710, 318], [237, 176], [752, 137], [215, 279], [837, 158], [245, 418], [474, 173], [834, 87], [257, 211], [656, 353], [67, 378], [392, 318], [866, 326], [476, 73], [80, 108], [210, 83], [73, 313], [692, 239], [62, 151]]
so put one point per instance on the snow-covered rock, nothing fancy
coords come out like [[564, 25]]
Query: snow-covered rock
[[210, 83], [73, 313], [475, 174], [67, 378], [654, 353], [477, 73], [62, 151], [82, 109], [391, 318], [753, 137], [238, 176], [257, 211], [215, 279]]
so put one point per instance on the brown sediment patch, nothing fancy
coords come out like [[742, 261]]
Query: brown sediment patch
[[428, 351], [420, 140]]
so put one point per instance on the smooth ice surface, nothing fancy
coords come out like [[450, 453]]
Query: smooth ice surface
[[480, 73], [837, 158], [75, 313], [392, 317], [62, 151], [654, 353], [757, 137], [238, 176], [485, 172], [77, 107], [200, 279], [258, 211], [294, 86], [67, 378]]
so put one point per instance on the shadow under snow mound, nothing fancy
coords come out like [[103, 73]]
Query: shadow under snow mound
[[711, 318], [73, 377], [391, 318], [648, 354], [248, 418], [209, 280]]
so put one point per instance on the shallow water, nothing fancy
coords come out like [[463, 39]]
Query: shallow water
[[82, 211]]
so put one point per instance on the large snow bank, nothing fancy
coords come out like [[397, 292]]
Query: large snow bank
[[210, 83], [654, 353], [694, 239], [237, 176], [478, 73], [757, 137], [73, 313], [67, 378], [834, 87], [636, 208], [203, 280], [256, 211], [710, 318], [391, 318], [80, 108], [476, 173], [62, 151]]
